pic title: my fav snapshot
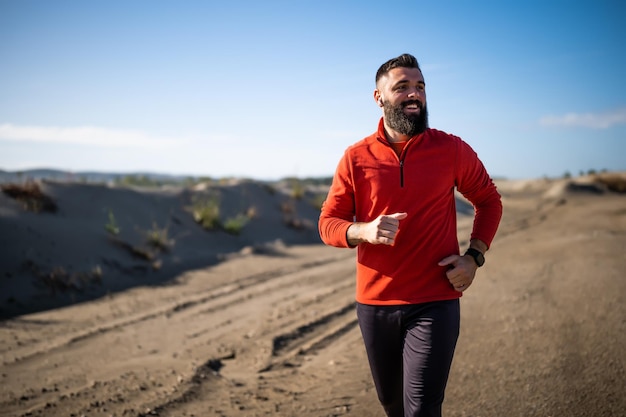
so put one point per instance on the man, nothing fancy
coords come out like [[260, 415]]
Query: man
[[392, 197]]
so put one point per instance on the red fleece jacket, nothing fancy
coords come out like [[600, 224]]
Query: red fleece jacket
[[372, 180]]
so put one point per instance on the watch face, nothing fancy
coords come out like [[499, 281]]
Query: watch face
[[480, 259], [477, 255]]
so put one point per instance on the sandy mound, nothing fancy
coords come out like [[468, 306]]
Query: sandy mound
[[101, 239], [569, 188]]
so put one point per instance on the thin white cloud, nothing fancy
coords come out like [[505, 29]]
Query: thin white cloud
[[588, 120], [84, 135]]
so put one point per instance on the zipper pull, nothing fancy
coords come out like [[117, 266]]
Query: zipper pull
[[401, 173]]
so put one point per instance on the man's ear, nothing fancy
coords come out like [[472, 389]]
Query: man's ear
[[379, 98]]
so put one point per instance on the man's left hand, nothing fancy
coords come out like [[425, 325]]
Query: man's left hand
[[461, 271]]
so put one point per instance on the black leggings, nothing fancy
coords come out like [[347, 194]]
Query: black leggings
[[410, 350]]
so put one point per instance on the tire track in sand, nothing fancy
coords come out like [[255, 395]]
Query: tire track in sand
[[233, 322]]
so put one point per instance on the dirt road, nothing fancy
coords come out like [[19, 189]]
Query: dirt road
[[275, 334]]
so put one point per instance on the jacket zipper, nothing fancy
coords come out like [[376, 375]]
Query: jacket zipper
[[401, 160]]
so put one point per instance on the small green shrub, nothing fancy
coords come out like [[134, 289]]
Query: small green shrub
[[234, 225], [157, 238], [297, 189], [111, 226], [206, 212]]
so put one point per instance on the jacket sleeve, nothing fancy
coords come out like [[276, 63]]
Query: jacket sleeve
[[476, 185], [338, 210]]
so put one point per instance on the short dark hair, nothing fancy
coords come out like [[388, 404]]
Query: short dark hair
[[403, 61]]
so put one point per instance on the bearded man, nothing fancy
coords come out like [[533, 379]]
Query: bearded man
[[393, 198]]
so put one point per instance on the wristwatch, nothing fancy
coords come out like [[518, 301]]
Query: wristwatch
[[478, 256]]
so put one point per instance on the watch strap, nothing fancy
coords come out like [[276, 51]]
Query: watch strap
[[478, 256]]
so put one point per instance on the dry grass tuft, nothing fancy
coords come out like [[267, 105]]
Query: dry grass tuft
[[613, 182], [30, 197], [58, 280]]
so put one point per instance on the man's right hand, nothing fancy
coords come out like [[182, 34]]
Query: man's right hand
[[380, 231]]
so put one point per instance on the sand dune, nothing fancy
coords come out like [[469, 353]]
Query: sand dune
[[70, 255], [262, 323]]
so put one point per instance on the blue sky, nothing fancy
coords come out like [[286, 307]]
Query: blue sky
[[280, 88]]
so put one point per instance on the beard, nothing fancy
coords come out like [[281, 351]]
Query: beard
[[403, 123]]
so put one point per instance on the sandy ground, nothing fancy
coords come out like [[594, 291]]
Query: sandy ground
[[273, 332]]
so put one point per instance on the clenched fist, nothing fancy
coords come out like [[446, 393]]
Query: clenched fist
[[380, 231]]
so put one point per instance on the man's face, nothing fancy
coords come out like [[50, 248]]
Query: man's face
[[403, 95]]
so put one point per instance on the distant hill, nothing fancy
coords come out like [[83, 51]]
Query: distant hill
[[84, 176], [128, 178]]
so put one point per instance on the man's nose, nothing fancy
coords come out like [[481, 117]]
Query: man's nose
[[415, 93]]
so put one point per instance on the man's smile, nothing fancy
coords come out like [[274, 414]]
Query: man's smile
[[412, 106]]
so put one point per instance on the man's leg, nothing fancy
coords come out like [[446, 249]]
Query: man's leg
[[432, 333], [383, 334]]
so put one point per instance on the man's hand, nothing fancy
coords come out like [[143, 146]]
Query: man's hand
[[461, 272], [380, 231]]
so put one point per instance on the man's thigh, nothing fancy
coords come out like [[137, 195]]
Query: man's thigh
[[432, 333]]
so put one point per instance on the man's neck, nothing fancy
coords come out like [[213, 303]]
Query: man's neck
[[394, 136]]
